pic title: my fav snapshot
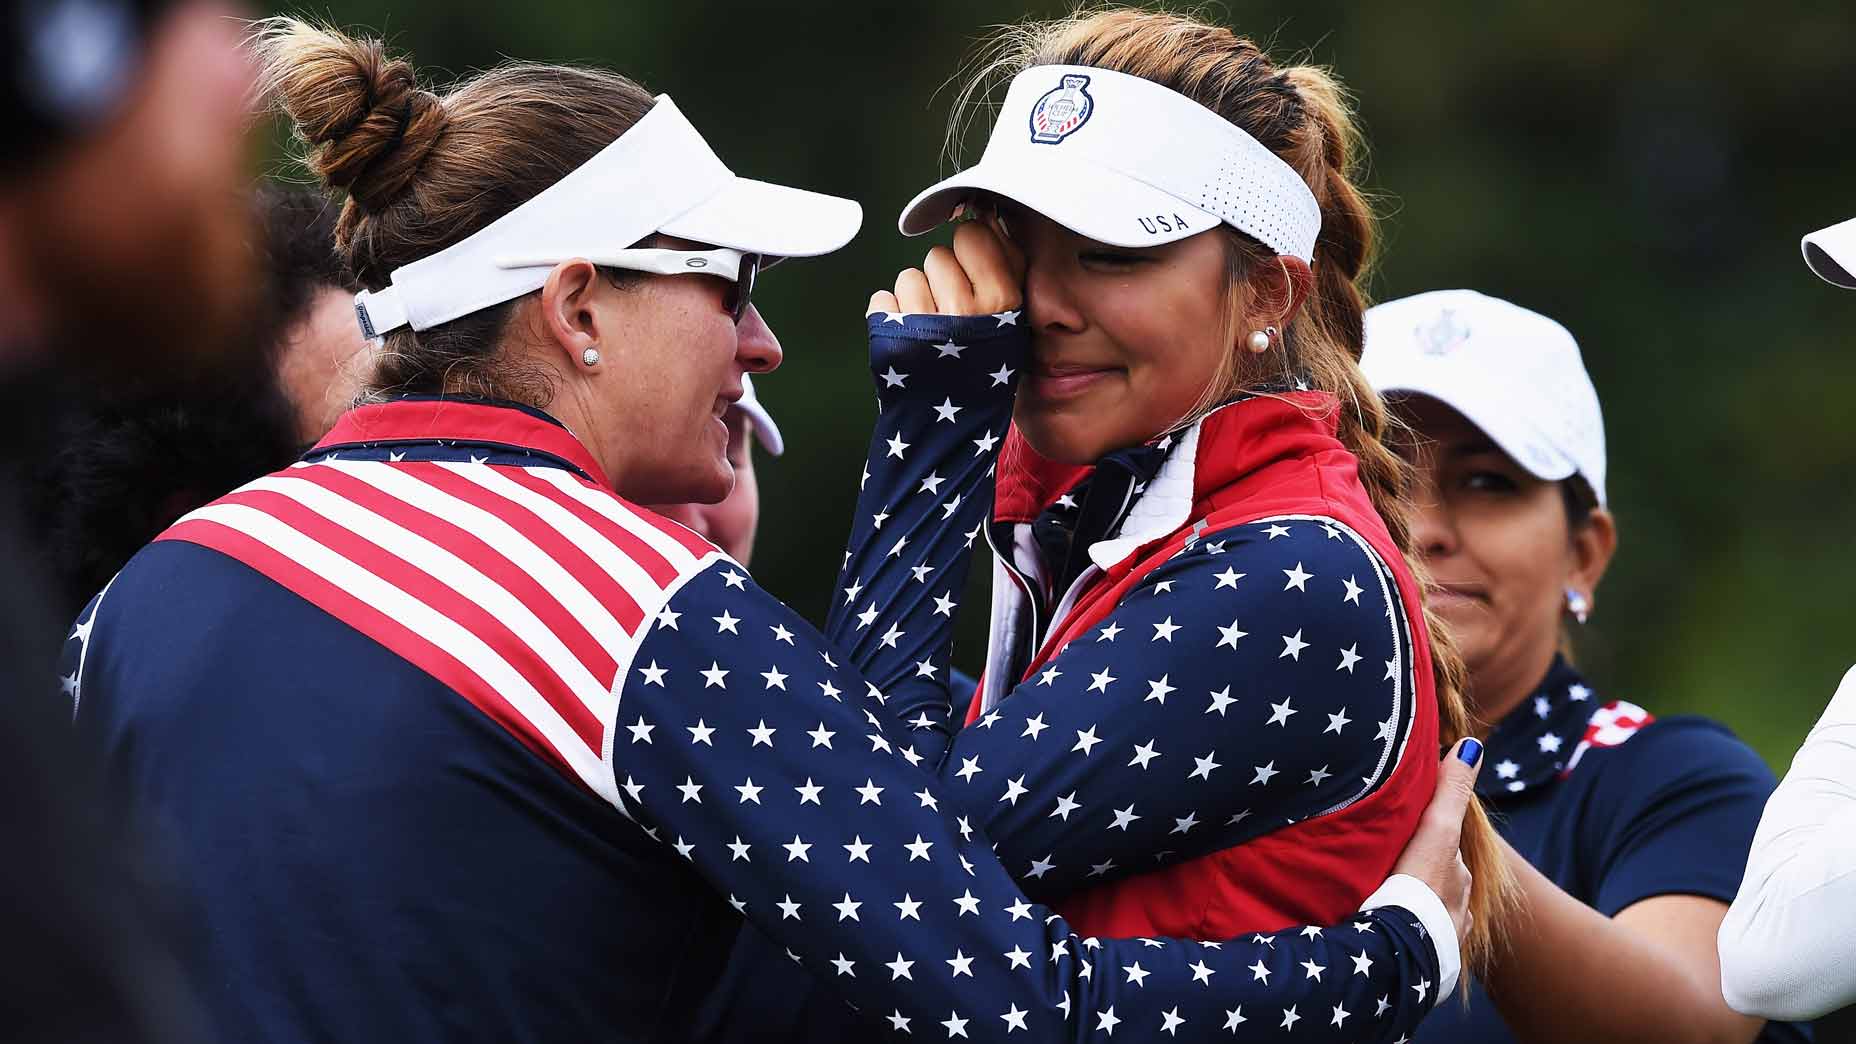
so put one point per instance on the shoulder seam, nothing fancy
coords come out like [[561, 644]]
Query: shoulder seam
[[1404, 697], [620, 678]]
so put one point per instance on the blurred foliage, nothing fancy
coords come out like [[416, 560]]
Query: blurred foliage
[[1639, 171]]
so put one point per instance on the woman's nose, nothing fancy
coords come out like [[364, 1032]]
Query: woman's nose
[[1433, 531], [756, 346], [1048, 300]]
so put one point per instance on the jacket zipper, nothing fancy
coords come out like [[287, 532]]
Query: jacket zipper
[[1032, 598]]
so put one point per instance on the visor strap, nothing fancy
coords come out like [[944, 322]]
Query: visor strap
[[379, 312]]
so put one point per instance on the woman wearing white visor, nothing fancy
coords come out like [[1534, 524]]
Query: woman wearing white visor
[[454, 742], [1210, 707], [1626, 832], [1788, 948]]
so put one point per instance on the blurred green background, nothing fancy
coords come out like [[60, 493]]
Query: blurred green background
[[1639, 171]]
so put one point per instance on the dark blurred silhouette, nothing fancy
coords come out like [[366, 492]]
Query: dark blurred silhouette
[[122, 248], [129, 460]]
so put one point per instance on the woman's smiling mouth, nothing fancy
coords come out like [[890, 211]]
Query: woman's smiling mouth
[[1057, 381]]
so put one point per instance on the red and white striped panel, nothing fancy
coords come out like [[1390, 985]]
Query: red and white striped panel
[[525, 590], [1609, 726]]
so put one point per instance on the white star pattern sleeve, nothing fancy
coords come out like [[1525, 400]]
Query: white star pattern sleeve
[[1258, 678], [748, 745], [1788, 944], [944, 392]]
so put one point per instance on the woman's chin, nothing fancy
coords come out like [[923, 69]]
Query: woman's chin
[[709, 483], [1066, 436], [715, 485]]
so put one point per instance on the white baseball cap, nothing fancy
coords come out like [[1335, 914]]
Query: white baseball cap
[[1831, 253], [764, 428], [1514, 373], [1125, 161], [658, 176]]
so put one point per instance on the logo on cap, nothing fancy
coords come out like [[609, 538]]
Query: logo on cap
[[1061, 110], [1442, 334]]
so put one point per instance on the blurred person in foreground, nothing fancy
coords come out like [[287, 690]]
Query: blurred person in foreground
[[1788, 945], [1626, 832], [125, 239], [130, 460], [460, 743], [121, 249]]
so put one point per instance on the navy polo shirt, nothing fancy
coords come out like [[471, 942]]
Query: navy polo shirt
[[1615, 806]]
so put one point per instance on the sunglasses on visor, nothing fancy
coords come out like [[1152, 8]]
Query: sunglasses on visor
[[735, 266]]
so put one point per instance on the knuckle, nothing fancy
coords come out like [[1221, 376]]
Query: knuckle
[[973, 240]]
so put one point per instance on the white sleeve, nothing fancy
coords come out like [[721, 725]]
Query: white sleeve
[[1788, 944]]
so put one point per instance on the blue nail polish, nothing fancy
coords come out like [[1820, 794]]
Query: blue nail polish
[[1470, 752]]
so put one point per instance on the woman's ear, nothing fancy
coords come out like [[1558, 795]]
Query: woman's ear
[[1593, 544], [1278, 288], [567, 315]]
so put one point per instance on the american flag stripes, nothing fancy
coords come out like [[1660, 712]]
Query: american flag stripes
[[523, 588]]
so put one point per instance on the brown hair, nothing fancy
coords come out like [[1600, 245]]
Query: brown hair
[[1302, 114], [425, 170]]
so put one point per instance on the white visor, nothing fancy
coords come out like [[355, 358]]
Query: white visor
[[764, 428], [1831, 253], [659, 176], [1127, 162]]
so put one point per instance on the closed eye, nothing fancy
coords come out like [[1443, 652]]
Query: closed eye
[[1113, 258]]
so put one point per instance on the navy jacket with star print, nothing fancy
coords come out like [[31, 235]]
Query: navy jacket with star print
[[452, 743]]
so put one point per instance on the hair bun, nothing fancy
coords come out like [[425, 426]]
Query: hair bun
[[367, 123]]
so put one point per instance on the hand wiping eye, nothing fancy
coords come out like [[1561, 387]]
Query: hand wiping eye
[[983, 272]]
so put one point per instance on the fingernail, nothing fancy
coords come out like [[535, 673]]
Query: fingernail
[[1470, 752]]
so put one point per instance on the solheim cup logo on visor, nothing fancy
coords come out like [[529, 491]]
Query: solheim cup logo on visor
[[1442, 335], [1061, 110]]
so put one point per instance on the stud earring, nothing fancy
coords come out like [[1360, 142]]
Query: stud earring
[[1260, 340], [1577, 605], [590, 357]]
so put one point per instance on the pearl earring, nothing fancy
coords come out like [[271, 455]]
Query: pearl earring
[[1577, 605], [1260, 341], [590, 357]]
